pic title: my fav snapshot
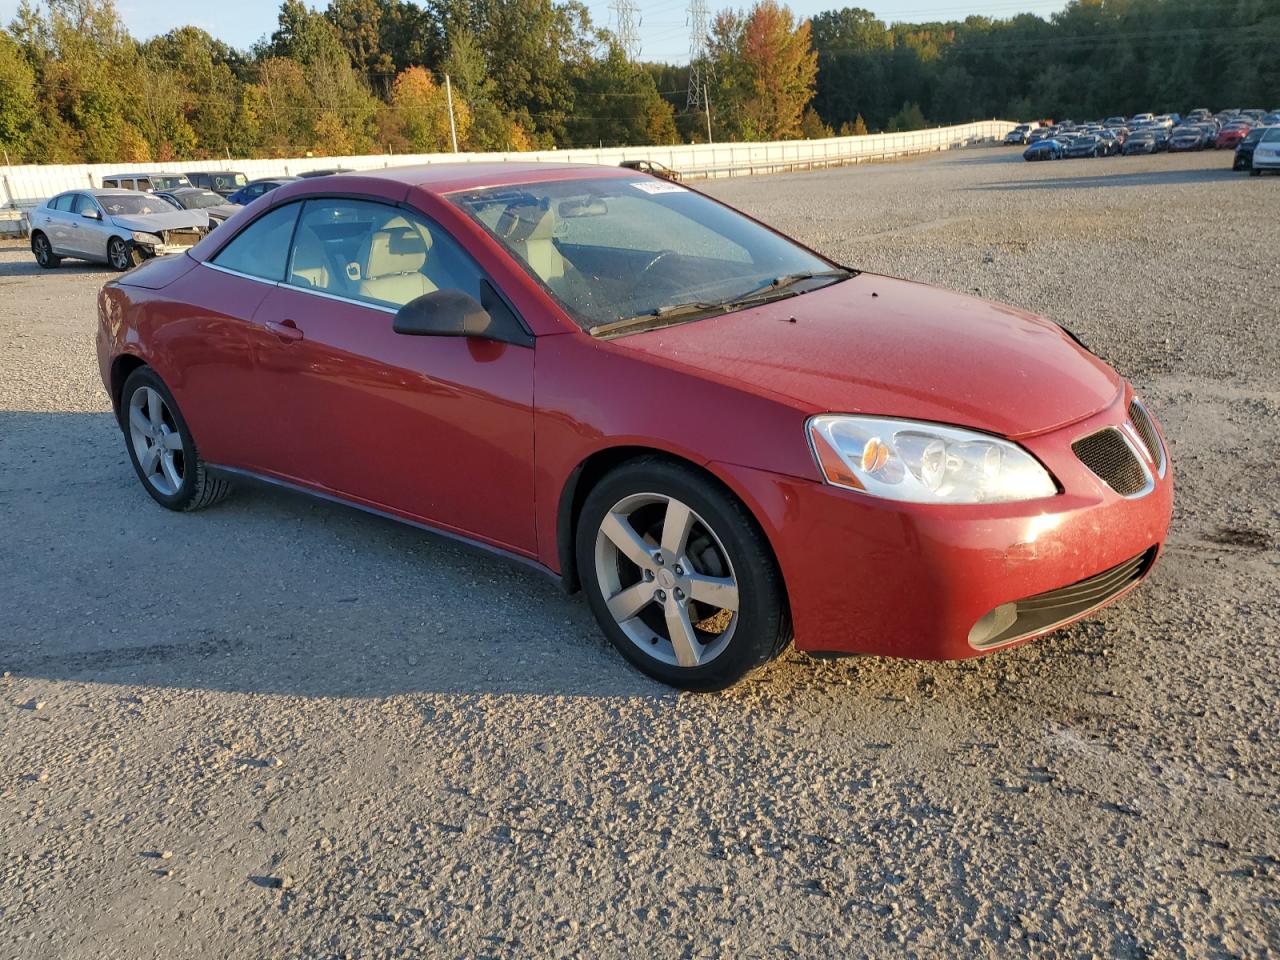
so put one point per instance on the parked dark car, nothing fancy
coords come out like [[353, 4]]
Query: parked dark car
[[1043, 133], [653, 168], [323, 172], [1086, 146], [197, 198], [1244, 149], [224, 182], [1187, 138], [1112, 142], [255, 188], [1144, 141], [1114, 122], [1044, 150]]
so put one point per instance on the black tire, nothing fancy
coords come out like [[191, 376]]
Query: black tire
[[1255, 172], [43, 251], [763, 625], [122, 256], [198, 489]]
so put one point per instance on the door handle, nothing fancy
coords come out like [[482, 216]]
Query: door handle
[[286, 330]]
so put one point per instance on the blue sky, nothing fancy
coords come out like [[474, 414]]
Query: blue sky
[[663, 31]]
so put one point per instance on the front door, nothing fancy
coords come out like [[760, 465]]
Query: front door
[[437, 429]]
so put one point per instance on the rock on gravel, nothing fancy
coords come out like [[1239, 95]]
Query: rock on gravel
[[467, 770]]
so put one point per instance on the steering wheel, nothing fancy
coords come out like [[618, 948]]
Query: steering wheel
[[657, 259]]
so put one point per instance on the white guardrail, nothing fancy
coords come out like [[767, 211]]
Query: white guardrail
[[22, 187]]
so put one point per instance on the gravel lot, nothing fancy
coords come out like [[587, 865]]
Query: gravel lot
[[284, 728]]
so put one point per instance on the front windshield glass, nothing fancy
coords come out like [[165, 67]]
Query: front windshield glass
[[125, 205], [616, 249], [1272, 135], [198, 201], [169, 183]]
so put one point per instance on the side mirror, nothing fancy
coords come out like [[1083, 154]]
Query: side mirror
[[443, 313], [91, 215]]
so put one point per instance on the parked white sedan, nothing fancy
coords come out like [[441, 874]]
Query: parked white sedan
[[1266, 155], [118, 227]]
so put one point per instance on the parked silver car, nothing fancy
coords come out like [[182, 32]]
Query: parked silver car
[[118, 227]]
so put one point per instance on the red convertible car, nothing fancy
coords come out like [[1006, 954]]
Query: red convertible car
[[725, 439]]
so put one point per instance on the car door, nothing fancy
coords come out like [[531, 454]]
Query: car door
[[90, 234], [436, 429], [212, 347], [54, 220]]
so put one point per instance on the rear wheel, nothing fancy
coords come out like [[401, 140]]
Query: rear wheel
[[679, 576], [1255, 172], [161, 448], [43, 251]]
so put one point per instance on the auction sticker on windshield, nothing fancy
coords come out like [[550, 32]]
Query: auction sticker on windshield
[[658, 186]]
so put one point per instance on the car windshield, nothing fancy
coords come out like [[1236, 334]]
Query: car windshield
[[125, 205], [200, 200], [169, 183], [1272, 135], [229, 181], [621, 253]]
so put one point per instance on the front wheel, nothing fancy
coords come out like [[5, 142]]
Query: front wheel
[[679, 576], [43, 251], [161, 448], [1255, 172], [121, 255]]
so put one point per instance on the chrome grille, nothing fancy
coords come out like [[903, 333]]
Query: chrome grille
[[1147, 430], [1110, 456]]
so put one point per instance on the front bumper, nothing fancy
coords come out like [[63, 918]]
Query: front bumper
[[871, 576]]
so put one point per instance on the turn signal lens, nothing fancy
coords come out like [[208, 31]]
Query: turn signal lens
[[925, 462]]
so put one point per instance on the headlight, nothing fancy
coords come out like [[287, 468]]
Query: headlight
[[924, 462], [148, 238]]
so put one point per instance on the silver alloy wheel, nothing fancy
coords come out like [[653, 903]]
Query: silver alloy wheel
[[667, 579], [118, 254], [42, 249], [157, 442]]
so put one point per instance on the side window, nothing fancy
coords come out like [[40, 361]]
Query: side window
[[110, 183], [377, 253], [83, 202], [261, 248], [142, 183], [63, 203]]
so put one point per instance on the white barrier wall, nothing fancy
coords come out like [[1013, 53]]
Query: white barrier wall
[[25, 186]]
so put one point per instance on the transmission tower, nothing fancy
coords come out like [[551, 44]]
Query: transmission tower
[[699, 68], [628, 36]]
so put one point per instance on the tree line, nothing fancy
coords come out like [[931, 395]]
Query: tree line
[[368, 76]]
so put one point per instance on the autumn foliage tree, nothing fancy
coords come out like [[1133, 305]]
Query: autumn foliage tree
[[766, 70]]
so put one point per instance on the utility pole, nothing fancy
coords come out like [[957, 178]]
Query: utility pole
[[699, 66], [453, 129], [628, 36], [706, 102]]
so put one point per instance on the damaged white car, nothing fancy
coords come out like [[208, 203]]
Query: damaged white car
[[117, 227]]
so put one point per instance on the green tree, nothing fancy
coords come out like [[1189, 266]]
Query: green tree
[[17, 101], [617, 103]]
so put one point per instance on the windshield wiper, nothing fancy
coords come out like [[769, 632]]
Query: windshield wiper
[[658, 316], [786, 281]]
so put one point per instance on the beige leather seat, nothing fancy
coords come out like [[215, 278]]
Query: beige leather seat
[[392, 263], [310, 265], [529, 230]]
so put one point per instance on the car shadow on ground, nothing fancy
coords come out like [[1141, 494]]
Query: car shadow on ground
[[1135, 179], [26, 266], [272, 592]]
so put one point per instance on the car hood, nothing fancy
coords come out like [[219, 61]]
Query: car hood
[[153, 222], [222, 210], [888, 347]]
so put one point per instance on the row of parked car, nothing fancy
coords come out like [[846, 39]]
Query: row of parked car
[[1250, 133], [136, 216]]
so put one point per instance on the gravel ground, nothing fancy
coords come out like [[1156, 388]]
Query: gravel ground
[[282, 727]]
